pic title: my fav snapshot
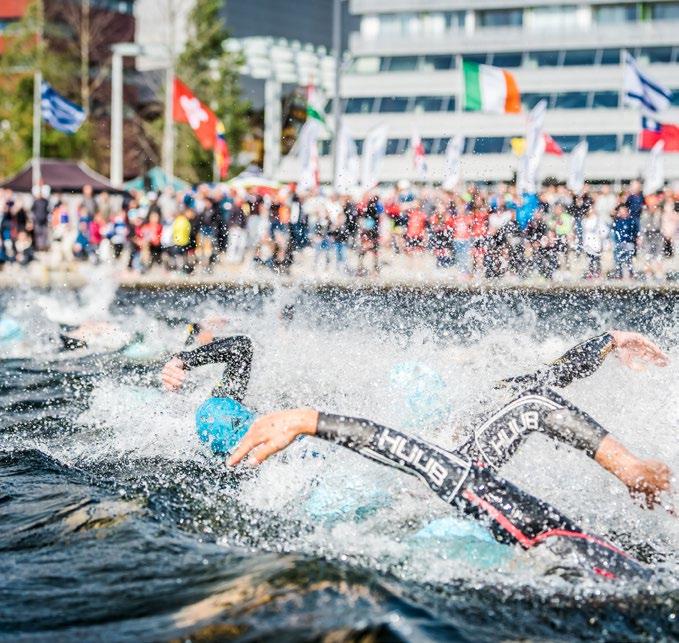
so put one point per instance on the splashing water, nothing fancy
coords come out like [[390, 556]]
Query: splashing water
[[130, 439]]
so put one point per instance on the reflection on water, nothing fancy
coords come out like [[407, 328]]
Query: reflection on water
[[117, 524]]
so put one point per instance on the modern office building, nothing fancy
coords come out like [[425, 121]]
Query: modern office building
[[405, 72]]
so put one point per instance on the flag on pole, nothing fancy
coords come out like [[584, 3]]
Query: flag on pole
[[222, 155], [527, 176], [641, 91], [551, 146], [186, 108], [374, 149], [306, 150], [59, 112], [347, 162], [419, 157], [653, 131], [315, 105], [453, 163], [490, 89], [654, 178], [576, 177]]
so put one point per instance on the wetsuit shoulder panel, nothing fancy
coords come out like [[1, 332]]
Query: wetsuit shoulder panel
[[539, 410]]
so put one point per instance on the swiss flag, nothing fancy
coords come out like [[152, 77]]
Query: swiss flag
[[186, 108]]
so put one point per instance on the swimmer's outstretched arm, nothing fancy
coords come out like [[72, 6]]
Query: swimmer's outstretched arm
[[633, 349], [513, 516], [543, 410], [235, 352]]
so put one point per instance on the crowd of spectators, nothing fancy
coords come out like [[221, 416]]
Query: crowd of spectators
[[488, 232]]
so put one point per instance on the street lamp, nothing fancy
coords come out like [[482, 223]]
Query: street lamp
[[278, 61], [120, 51]]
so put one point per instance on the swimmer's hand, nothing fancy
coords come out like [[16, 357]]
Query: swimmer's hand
[[647, 479], [643, 478], [272, 433], [173, 374], [635, 351]]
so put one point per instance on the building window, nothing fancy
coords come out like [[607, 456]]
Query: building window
[[605, 100], [610, 14], [583, 57], [325, 147], [363, 105], [530, 100], [429, 103], [552, 18], [675, 97], [393, 104], [656, 54], [477, 58], [571, 100], [665, 11], [500, 18], [452, 105], [610, 57], [454, 20], [489, 145], [629, 142], [508, 59], [428, 145], [544, 58], [359, 146], [442, 145], [366, 65], [432, 63], [399, 63], [396, 146], [567, 143], [602, 142]]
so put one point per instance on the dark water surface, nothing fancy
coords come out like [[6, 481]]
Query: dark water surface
[[137, 545]]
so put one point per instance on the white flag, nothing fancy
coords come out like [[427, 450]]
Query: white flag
[[306, 150], [453, 166], [655, 170], [348, 165], [374, 149], [576, 178], [641, 91], [527, 178]]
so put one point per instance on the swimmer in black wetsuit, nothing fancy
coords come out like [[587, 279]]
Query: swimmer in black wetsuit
[[463, 477]]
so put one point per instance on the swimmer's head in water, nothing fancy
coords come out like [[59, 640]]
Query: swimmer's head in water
[[221, 422], [422, 390]]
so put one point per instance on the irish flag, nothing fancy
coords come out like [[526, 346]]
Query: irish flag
[[489, 89]]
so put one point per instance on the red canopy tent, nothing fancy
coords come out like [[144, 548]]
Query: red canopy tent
[[61, 176]]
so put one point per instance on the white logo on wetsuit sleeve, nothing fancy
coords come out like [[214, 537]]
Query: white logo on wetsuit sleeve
[[404, 450]]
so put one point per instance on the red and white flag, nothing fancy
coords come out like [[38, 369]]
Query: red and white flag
[[419, 157], [551, 146], [186, 108]]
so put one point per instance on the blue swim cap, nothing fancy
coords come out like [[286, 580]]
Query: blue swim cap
[[422, 390], [10, 330], [221, 422]]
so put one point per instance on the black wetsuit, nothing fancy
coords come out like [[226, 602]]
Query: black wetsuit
[[463, 477]]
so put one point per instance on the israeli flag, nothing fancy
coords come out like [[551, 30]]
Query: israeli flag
[[641, 91], [59, 112]]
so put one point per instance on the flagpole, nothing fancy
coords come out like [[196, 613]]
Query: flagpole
[[37, 127], [168, 128]]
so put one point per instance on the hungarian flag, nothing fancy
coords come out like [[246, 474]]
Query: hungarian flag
[[652, 132], [490, 89], [186, 108], [222, 155]]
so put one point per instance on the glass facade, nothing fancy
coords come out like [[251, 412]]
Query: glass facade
[[500, 18]]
